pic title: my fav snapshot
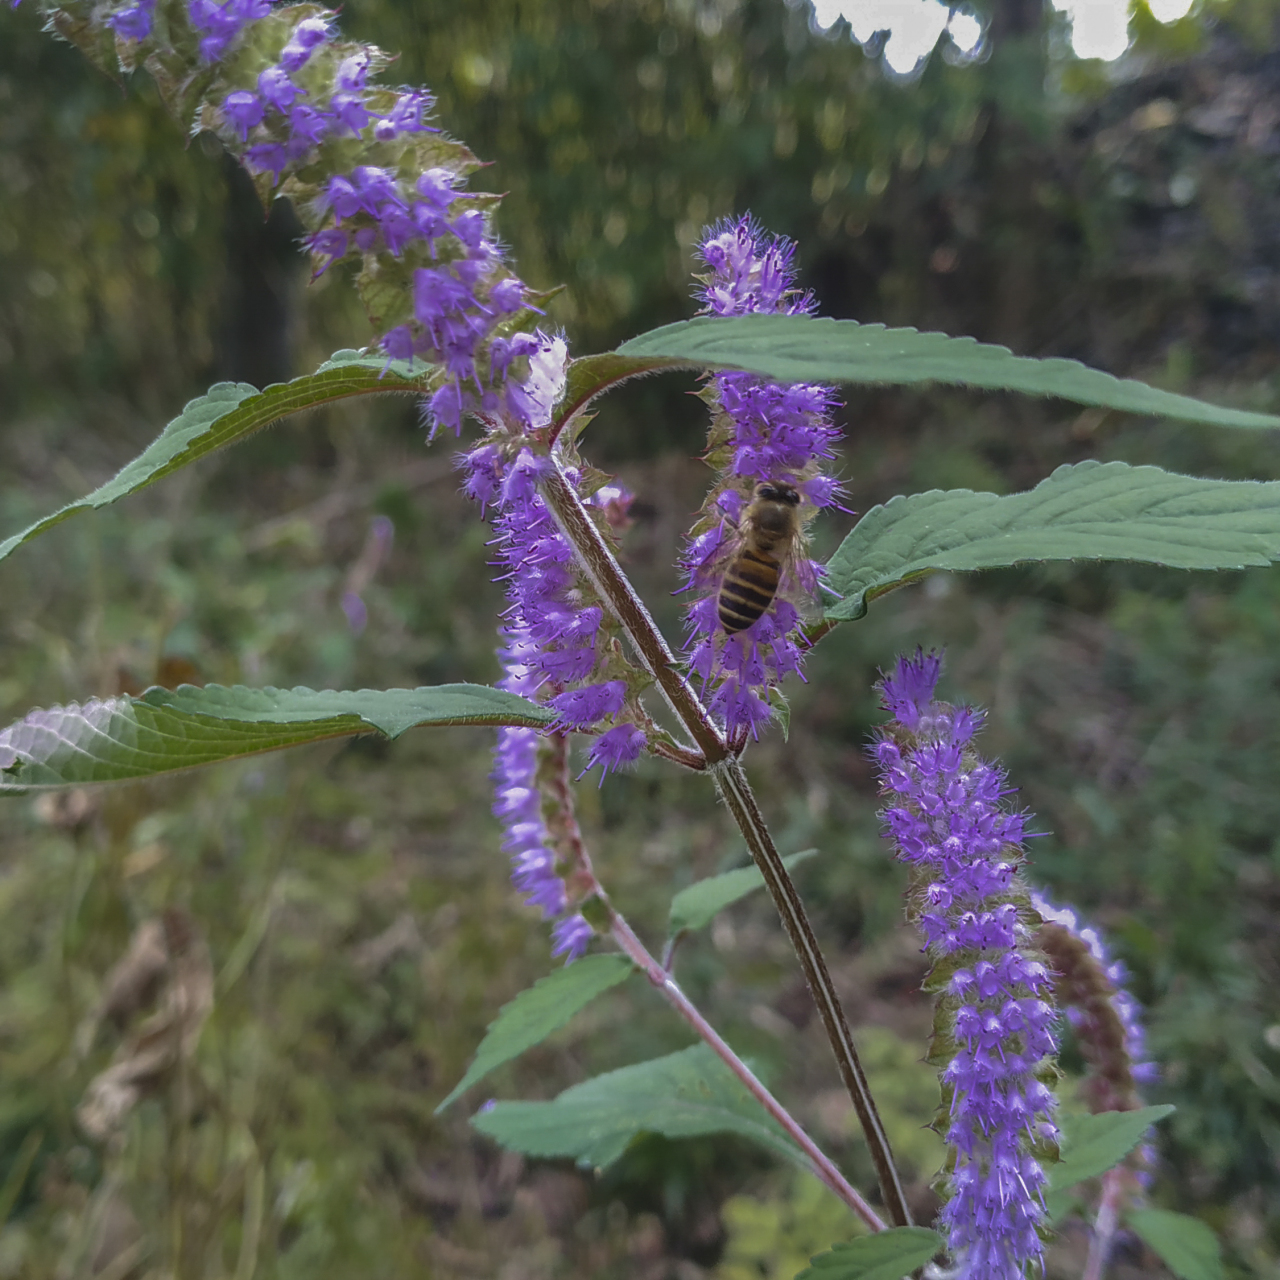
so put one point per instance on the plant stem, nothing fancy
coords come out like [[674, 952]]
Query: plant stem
[[672, 994], [647, 641], [1104, 1225], [735, 791], [609, 581]]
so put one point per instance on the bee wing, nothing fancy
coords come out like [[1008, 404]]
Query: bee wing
[[798, 582]]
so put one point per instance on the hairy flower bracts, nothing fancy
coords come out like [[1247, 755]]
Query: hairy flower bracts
[[371, 180], [1107, 1022], [993, 1029], [1105, 1017], [760, 431], [559, 646]]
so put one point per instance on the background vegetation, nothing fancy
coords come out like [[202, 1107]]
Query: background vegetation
[[346, 907]]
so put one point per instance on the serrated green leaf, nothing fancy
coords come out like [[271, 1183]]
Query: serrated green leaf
[[694, 907], [112, 739], [683, 1095], [1092, 1144], [1090, 511], [229, 412], [812, 349], [886, 1255], [1186, 1245], [538, 1011]]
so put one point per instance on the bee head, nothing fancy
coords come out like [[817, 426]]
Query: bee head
[[778, 491]]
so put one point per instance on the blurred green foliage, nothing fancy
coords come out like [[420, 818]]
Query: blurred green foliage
[[353, 897]]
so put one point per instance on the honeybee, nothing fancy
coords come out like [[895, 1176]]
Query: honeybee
[[771, 544]]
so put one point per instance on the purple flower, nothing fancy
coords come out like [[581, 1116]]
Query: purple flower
[[309, 33], [950, 824], [352, 73], [518, 804], [437, 294], [267, 157], [581, 708], [329, 245], [306, 124], [409, 112], [571, 938], [348, 111], [398, 343], [243, 111], [557, 647], [220, 24], [438, 187], [761, 432], [275, 87], [620, 746], [133, 22]]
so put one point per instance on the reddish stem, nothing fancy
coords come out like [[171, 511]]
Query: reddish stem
[[666, 987]]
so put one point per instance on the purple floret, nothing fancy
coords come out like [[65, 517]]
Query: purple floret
[[133, 22], [619, 747], [243, 111], [307, 35], [571, 937]]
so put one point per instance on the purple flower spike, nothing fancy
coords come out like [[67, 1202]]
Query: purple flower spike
[[947, 818], [761, 433], [557, 646]]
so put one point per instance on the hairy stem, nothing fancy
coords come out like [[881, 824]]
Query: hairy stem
[[667, 987], [614, 588]]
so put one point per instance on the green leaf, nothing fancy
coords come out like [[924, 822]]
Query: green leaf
[[694, 907], [1186, 1246], [1092, 1144], [886, 1255], [1090, 511], [112, 739], [229, 412], [683, 1095], [809, 349], [535, 1013]]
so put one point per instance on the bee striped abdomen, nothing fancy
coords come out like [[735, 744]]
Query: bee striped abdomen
[[747, 590]]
